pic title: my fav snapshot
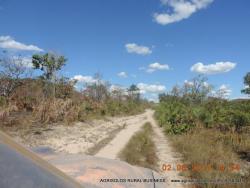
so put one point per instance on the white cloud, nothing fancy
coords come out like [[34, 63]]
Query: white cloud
[[205, 84], [224, 91], [155, 100], [114, 87], [150, 70], [157, 66], [122, 74], [23, 61], [153, 97], [84, 79], [8, 42], [141, 50], [188, 83], [243, 97], [191, 83], [119, 88], [219, 67], [181, 9], [151, 88]]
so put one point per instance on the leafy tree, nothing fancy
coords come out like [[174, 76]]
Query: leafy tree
[[247, 84], [134, 92], [49, 63]]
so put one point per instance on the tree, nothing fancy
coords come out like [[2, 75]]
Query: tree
[[98, 90], [49, 63], [197, 89], [64, 87], [176, 91], [134, 92], [12, 69], [117, 92], [247, 84]]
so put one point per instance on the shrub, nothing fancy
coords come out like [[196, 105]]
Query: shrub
[[175, 116], [54, 110], [238, 120], [3, 101]]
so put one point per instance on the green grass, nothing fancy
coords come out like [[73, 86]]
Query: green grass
[[140, 150]]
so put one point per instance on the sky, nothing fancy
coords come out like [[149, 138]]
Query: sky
[[152, 43]]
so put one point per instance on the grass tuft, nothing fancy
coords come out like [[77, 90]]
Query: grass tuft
[[141, 150]]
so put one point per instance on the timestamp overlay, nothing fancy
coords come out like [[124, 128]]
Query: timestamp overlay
[[209, 168]]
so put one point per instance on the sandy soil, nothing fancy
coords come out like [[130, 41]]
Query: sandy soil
[[164, 151], [166, 155], [77, 138], [112, 149], [83, 137]]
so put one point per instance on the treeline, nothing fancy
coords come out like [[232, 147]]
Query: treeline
[[192, 104], [49, 97]]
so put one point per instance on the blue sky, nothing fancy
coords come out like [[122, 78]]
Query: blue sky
[[125, 37]]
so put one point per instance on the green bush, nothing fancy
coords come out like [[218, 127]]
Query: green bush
[[176, 117], [238, 120], [3, 101]]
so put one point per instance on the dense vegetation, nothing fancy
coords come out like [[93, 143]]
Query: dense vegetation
[[208, 129], [190, 105], [48, 97], [140, 149]]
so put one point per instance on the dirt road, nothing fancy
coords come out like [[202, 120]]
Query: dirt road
[[80, 138], [165, 153], [112, 149]]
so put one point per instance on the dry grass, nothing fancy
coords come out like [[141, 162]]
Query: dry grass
[[210, 147], [50, 111], [141, 150], [5, 114]]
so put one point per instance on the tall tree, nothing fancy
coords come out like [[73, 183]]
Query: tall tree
[[98, 90], [197, 89], [49, 63], [134, 92], [247, 84]]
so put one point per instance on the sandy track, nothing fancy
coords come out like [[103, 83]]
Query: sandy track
[[80, 137], [164, 151], [112, 149], [166, 155]]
